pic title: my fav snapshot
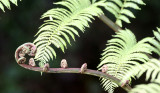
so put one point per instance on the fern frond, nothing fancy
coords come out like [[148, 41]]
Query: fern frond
[[7, 3], [146, 88], [122, 53], [121, 9], [156, 42], [62, 24], [108, 85], [152, 69]]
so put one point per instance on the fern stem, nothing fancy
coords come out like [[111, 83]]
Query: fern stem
[[110, 23], [77, 70]]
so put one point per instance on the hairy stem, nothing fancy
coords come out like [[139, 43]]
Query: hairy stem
[[77, 70], [110, 23]]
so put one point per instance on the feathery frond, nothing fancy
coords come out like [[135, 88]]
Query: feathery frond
[[7, 3], [156, 41], [63, 23], [152, 69], [122, 53], [121, 9], [146, 88]]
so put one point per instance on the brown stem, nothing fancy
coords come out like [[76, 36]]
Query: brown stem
[[77, 70], [110, 23]]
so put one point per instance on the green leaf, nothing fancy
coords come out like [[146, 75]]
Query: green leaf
[[128, 13], [124, 18], [123, 53], [62, 24], [7, 3], [120, 9]]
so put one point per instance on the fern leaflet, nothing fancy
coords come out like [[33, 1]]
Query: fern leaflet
[[7, 3], [151, 67], [121, 9], [122, 53], [146, 88], [63, 22]]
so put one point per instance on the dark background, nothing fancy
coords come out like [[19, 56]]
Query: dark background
[[21, 24]]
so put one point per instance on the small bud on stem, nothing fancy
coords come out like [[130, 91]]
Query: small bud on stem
[[64, 63], [104, 68], [32, 62], [46, 67], [83, 68], [32, 50]]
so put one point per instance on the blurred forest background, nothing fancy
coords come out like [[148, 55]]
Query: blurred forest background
[[21, 24]]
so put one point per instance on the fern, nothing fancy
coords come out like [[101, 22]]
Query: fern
[[7, 4], [156, 41], [125, 57], [121, 9], [146, 88], [122, 53], [63, 23], [152, 69]]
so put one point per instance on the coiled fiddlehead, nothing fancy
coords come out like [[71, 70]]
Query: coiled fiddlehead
[[21, 51]]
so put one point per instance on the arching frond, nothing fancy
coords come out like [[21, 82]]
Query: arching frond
[[62, 24], [7, 3], [146, 88], [152, 69], [121, 9], [122, 53]]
